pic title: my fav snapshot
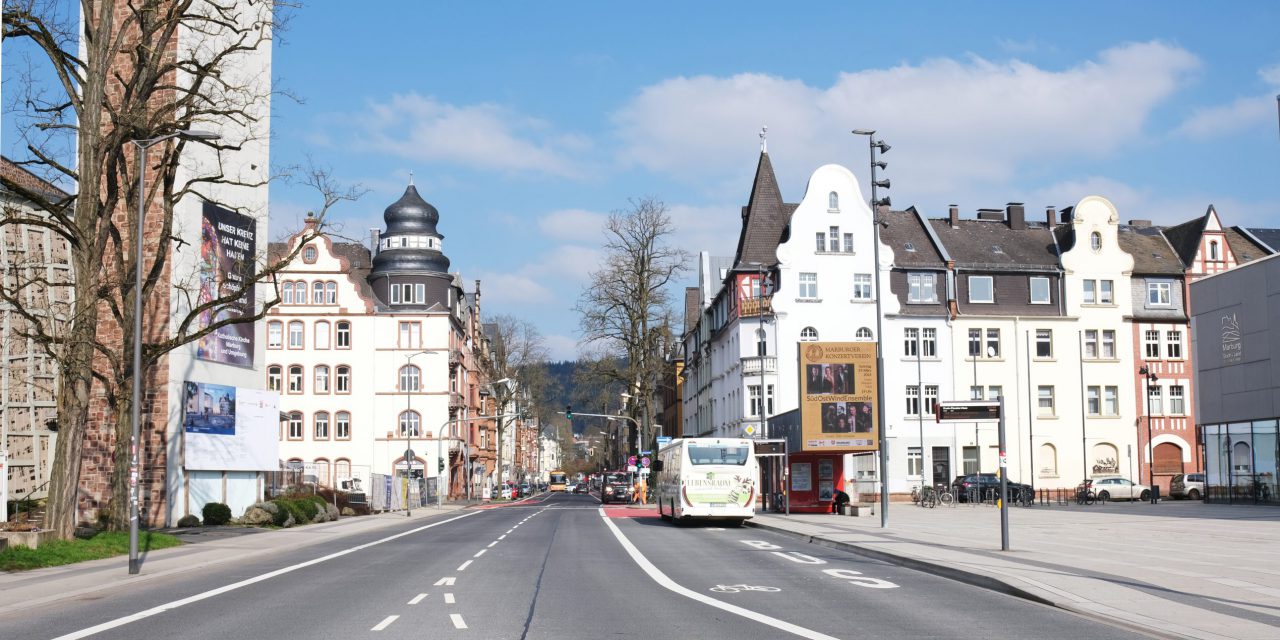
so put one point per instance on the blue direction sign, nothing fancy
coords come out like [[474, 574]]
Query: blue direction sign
[[663, 441]]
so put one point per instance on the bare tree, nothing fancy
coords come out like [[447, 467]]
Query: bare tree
[[121, 74], [625, 309], [514, 365]]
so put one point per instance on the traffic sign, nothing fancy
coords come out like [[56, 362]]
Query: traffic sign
[[644, 461], [750, 429], [968, 412], [631, 461], [663, 441]]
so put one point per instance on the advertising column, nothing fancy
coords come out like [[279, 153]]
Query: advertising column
[[838, 409]]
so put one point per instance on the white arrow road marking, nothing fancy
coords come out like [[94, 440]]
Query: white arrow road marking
[[463, 566], [661, 578], [457, 621], [445, 582], [386, 622], [418, 598], [448, 599]]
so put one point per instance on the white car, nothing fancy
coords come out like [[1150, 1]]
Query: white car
[[1120, 489], [506, 492]]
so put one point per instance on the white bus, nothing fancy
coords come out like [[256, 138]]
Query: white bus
[[706, 478]]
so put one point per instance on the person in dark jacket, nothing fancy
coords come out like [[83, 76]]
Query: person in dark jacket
[[837, 503]]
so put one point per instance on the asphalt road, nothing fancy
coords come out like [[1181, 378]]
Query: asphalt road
[[558, 568]]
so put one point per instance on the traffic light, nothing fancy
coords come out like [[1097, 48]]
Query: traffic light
[[442, 466], [568, 412]]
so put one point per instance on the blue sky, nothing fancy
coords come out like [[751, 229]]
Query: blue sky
[[526, 123]]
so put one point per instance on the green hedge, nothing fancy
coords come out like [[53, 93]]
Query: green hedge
[[216, 514]]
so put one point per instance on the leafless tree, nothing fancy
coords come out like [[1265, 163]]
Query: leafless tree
[[625, 309], [121, 74], [514, 365]]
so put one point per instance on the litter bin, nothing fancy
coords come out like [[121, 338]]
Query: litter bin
[[1155, 494]]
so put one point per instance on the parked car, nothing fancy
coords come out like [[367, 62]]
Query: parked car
[[1187, 485], [982, 482], [526, 489], [1117, 488], [506, 491], [581, 487]]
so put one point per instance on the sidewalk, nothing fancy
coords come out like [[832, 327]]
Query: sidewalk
[[204, 547], [1177, 569]]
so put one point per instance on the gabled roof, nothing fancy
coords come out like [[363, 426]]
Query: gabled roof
[[1185, 237], [1244, 248], [904, 228], [764, 219], [1152, 253], [354, 254], [972, 245]]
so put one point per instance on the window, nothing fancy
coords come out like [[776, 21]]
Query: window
[[410, 335], [821, 242], [1156, 398], [980, 289], [848, 243], [920, 287], [419, 293], [1090, 292], [322, 378], [1213, 250], [762, 343], [995, 392], [344, 335], [322, 472], [1158, 294], [768, 400], [394, 290], [993, 343], [929, 343], [275, 335], [322, 335], [295, 379], [286, 293], [864, 334], [1111, 400], [914, 461], [1177, 403], [970, 460], [1095, 241], [1044, 343], [275, 375], [1151, 344], [913, 400], [342, 379], [309, 254], [1094, 399], [975, 392], [975, 342], [409, 425], [1048, 461], [406, 293], [861, 286], [410, 377], [911, 342], [1173, 344], [1091, 344], [321, 422], [808, 334], [809, 286], [833, 201], [295, 425], [1040, 291], [1105, 292], [331, 293], [753, 391], [317, 292], [1109, 344], [1045, 394], [834, 233], [295, 334], [930, 399], [342, 428]]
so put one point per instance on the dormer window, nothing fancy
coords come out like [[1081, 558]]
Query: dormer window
[[1095, 241], [995, 248], [833, 202], [911, 247]]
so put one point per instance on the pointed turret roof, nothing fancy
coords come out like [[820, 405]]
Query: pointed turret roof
[[411, 214], [764, 219]]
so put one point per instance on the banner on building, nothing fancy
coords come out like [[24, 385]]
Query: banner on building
[[229, 428], [838, 396], [228, 247]]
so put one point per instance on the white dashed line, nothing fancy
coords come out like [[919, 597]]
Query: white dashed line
[[445, 582], [510, 530], [386, 622], [448, 599], [502, 536], [418, 598], [457, 621], [492, 544], [463, 566], [479, 553]]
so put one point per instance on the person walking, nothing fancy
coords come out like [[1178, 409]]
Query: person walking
[[642, 488]]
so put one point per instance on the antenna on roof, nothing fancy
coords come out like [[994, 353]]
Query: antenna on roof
[[764, 139], [411, 177]]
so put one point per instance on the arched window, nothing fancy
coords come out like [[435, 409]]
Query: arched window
[[342, 379], [322, 378], [1048, 461], [317, 292], [410, 425], [322, 472], [322, 335], [295, 378], [1241, 458], [833, 201], [275, 377], [1213, 250], [342, 427], [808, 334], [341, 469], [331, 292], [295, 425], [1095, 241], [864, 334], [344, 334], [410, 376], [762, 344], [295, 334], [286, 293], [321, 421], [275, 334], [1106, 459], [309, 254]]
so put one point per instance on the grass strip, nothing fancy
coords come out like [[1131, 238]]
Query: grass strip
[[59, 552]]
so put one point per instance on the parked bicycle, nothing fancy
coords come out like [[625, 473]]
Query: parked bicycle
[[1086, 495]]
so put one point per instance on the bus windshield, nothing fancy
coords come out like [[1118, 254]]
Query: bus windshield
[[557, 477], [712, 454]]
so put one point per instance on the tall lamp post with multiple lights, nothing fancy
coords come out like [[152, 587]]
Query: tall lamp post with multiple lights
[[882, 148], [134, 444]]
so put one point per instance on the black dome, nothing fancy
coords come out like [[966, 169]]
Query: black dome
[[411, 214], [410, 260]]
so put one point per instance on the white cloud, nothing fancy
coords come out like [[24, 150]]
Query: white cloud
[[1270, 75], [481, 136], [951, 122], [561, 347], [1156, 204], [1241, 115], [573, 225]]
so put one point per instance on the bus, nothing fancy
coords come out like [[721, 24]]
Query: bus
[[706, 479], [558, 480]]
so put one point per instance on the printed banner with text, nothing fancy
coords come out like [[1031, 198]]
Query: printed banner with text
[[838, 396], [228, 245]]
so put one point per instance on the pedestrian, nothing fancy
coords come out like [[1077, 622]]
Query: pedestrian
[[837, 503], [642, 488]]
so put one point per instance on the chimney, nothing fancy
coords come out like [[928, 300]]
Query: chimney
[[1017, 216], [991, 214], [1067, 213], [953, 212], [1051, 216], [374, 235], [1140, 223]]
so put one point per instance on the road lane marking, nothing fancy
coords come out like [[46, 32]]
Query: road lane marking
[[418, 598], [856, 578], [445, 582], [457, 621], [118, 622], [463, 566], [502, 536], [479, 553], [760, 544], [796, 556], [386, 622], [448, 599], [661, 578], [491, 544], [509, 530]]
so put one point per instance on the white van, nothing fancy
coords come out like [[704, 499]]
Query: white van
[[706, 479]]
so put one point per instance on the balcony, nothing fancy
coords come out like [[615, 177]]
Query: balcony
[[752, 307], [456, 400], [756, 365], [455, 357]]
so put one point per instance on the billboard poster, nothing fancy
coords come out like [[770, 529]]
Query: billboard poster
[[229, 428], [838, 396], [228, 245]]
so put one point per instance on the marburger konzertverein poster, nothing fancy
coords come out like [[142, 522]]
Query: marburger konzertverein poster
[[228, 245]]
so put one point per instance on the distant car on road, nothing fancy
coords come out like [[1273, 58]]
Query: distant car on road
[[615, 487], [506, 491], [1187, 485], [985, 484], [1117, 488], [581, 487]]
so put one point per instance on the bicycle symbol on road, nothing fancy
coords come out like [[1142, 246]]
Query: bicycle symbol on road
[[736, 588]]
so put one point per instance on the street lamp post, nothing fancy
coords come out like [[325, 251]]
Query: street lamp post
[[136, 409], [1149, 376], [875, 225]]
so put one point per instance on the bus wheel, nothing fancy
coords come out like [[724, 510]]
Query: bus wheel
[[665, 516]]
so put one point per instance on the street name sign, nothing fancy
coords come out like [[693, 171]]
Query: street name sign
[[968, 412]]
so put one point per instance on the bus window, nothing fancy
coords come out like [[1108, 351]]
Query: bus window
[[707, 454]]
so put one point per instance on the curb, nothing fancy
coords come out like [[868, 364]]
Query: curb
[[980, 580]]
